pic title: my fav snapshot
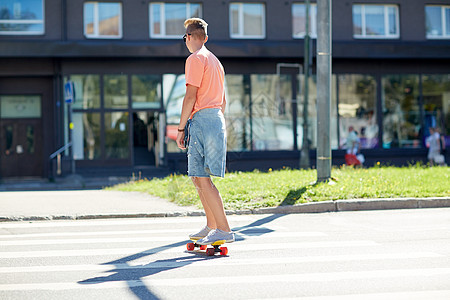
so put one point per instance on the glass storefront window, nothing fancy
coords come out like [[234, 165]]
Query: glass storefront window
[[146, 91], [357, 108], [174, 89], [401, 114], [22, 17], [87, 91], [86, 135], [237, 113], [117, 135], [436, 100], [312, 113], [115, 89], [272, 127]]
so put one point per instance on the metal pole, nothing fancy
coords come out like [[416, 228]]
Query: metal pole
[[304, 154], [71, 151], [323, 90]]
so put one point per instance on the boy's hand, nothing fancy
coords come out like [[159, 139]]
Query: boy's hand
[[180, 140]]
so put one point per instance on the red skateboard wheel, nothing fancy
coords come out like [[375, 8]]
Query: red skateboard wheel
[[223, 250], [190, 246]]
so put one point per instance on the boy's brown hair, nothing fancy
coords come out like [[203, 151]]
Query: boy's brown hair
[[196, 27]]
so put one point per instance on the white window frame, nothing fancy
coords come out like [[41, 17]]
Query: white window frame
[[241, 34], [445, 35], [162, 17], [26, 22], [96, 34], [313, 24], [386, 22]]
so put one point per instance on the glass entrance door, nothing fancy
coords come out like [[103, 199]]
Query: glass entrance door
[[145, 138]]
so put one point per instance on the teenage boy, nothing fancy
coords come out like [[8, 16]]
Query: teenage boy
[[204, 105]]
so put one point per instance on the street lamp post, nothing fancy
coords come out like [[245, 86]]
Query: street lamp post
[[323, 90]]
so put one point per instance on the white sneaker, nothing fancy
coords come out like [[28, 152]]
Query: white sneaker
[[201, 234], [217, 235]]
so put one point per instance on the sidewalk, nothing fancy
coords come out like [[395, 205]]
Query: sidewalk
[[71, 200]]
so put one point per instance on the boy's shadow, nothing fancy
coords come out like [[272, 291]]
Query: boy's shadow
[[133, 275]]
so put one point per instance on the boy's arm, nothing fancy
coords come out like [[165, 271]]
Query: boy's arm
[[188, 106]]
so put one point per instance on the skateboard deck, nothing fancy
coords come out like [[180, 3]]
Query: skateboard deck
[[210, 251]]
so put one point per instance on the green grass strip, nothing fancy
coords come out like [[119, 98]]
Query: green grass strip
[[246, 190]]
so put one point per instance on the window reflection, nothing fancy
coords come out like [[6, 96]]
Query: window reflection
[[145, 91], [247, 20], [102, 20], [116, 135], [22, 17], [9, 134], [86, 136], [357, 108], [237, 113], [30, 138], [167, 19], [312, 113], [299, 20], [401, 115], [436, 98], [115, 91], [272, 127], [87, 91]]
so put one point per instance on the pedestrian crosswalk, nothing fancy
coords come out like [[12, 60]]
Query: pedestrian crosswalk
[[147, 259]]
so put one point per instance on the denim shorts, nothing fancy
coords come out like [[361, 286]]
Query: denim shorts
[[207, 148]]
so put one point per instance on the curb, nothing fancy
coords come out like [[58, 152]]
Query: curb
[[312, 207]]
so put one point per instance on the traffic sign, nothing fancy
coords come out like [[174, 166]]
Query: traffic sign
[[69, 95]]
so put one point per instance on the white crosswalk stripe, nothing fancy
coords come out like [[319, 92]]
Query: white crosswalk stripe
[[79, 256]]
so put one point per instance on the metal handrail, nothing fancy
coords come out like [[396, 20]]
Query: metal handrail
[[57, 154], [60, 150]]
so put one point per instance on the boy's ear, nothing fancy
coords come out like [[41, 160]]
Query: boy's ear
[[206, 39]]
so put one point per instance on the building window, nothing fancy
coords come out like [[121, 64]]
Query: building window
[[357, 108], [436, 103], [87, 91], [237, 113], [375, 21], [167, 19], [247, 20], [86, 135], [437, 21], [401, 112], [22, 17], [146, 91], [115, 91], [117, 135], [312, 112], [299, 20], [103, 20]]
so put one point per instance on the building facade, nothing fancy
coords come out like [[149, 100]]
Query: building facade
[[391, 81]]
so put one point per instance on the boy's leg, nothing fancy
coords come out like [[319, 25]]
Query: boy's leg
[[210, 220], [212, 202]]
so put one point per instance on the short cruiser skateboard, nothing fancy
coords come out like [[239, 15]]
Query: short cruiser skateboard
[[211, 250]]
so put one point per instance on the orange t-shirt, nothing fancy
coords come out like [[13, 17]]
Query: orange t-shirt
[[204, 70]]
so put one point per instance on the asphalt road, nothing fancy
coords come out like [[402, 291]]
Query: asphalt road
[[397, 254]]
